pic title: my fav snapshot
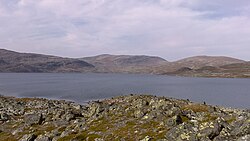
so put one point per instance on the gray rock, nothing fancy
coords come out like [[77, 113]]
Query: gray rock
[[60, 123], [28, 137], [4, 117], [43, 138], [18, 130], [147, 138], [32, 119], [69, 117], [244, 138]]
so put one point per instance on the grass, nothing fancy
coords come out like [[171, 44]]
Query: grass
[[196, 108], [7, 137], [209, 117]]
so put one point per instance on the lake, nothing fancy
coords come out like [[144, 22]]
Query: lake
[[84, 87]]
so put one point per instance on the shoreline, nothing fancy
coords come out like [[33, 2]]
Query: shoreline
[[120, 73], [130, 117]]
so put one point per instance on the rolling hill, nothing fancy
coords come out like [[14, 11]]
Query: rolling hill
[[125, 63], [197, 66], [11, 61]]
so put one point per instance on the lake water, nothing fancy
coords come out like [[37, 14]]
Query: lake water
[[85, 87]]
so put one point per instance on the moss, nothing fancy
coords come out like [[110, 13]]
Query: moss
[[184, 118]]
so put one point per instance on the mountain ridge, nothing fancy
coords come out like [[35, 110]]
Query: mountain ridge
[[202, 66]]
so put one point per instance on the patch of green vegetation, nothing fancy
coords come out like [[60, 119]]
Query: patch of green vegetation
[[184, 118], [100, 125], [153, 130], [134, 130]]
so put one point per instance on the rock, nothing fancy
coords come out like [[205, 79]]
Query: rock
[[69, 117], [139, 113], [4, 117], [32, 119], [211, 129], [43, 138], [59, 123], [18, 130], [244, 138], [215, 131], [99, 139], [147, 138], [243, 128], [28, 137], [176, 120]]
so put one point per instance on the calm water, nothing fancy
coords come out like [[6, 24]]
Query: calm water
[[84, 87]]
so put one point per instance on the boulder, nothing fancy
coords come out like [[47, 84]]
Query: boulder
[[32, 119], [43, 138], [4, 117], [28, 137]]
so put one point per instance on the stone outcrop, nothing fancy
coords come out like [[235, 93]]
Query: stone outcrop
[[133, 117]]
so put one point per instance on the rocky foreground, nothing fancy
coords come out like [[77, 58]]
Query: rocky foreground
[[133, 117]]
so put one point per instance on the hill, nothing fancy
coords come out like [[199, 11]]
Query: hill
[[236, 70], [125, 63], [197, 66], [197, 62], [11, 61]]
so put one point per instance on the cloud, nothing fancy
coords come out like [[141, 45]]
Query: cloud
[[172, 29]]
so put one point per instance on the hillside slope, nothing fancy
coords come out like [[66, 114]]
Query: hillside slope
[[197, 62], [11, 61], [125, 63], [197, 66]]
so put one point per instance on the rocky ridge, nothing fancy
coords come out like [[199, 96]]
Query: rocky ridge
[[132, 117]]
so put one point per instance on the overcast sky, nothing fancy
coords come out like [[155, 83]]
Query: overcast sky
[[171, 29]]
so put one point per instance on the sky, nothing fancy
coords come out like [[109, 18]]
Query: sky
[[172, 29]]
